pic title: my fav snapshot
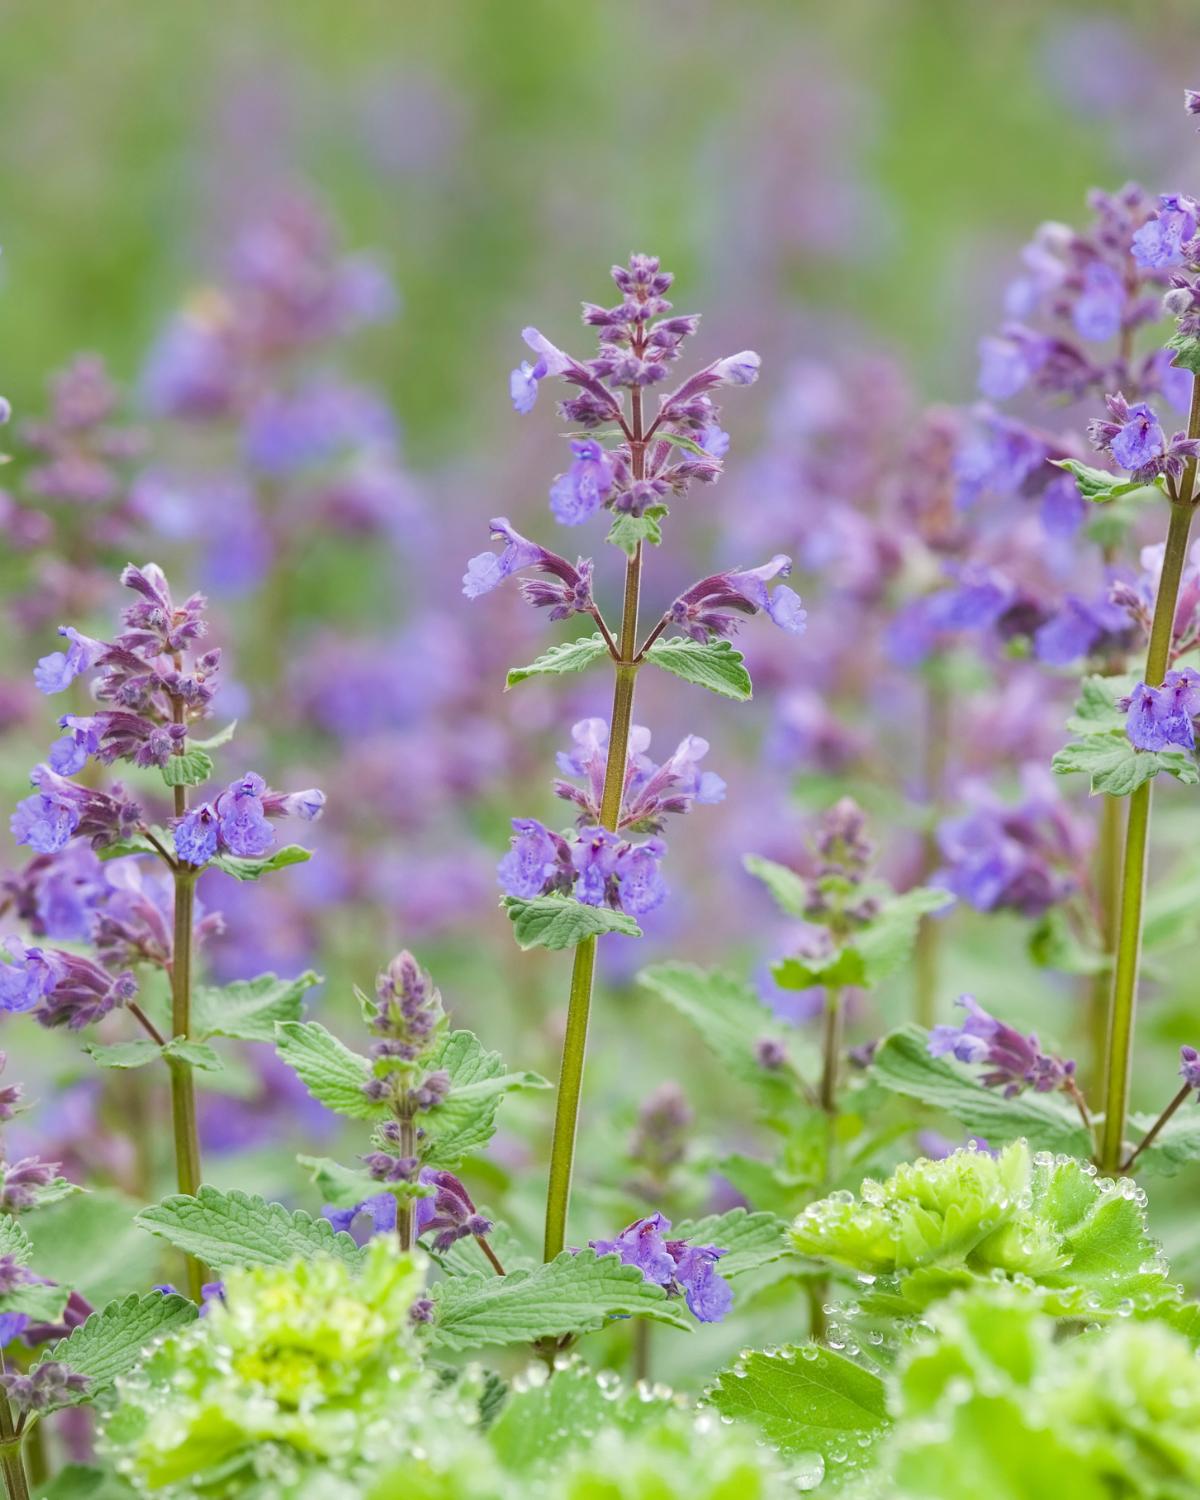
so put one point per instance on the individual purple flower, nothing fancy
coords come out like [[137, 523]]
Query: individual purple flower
[[65, 989], [1189, 1067], [57, 671], [1162, 242], [712, 606], [10, 1094], [26, 979], [612, 872], [1014, 1062], [570, 595], [197, 835], [523, 385], [60, 810], [1008, 362], [651, 791], [242, 820], [1161, 717], [676, 1266], [538, 862], [579, 493], [70, 753], [738, 369], [1134, 436], [374, 1215], [448, 1213], [1078, 629]]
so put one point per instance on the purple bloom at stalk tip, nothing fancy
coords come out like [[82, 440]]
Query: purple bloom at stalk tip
[[57, 671], [1161, 717], [579, 493], [1189, 1067]]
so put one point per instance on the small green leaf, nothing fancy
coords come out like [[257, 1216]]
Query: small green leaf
[[836, 971], [1096, 710], [189, 769], [750, 1240], [39, 1303], [574, 1293], [1053, 945], [570, 656], [789, 889], [15, 1244], [113, 1340], [195, 1054], [1116, 768], [677, 440], [135, 1054], [887, 941], [562, 922], [248, 1009], [235, 1229], [215, 741], [1177, 1144], [714, 665], [136, 843], [1187, 351], [339, 1185], [805, 1399], [629, 532], [332, 1074], [1098, 485], [242, 868]]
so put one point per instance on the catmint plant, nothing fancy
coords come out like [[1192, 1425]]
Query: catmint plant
[[631, 462]]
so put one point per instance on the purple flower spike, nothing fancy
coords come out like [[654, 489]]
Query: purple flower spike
[[570, 595], [1189, 1067], [711, 607], [60, 810], [57, 671], [579, 493], [1162, 717], [676, 1266], [1015, 1062]]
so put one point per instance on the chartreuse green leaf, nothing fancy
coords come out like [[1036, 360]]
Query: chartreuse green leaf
[[191, 768], [789, 890], [806, 1399], [332, 1074], [242, 868], [236, 1229], [714, 665], [466, 1119], [1098, 485], [543, 1420], [903, 1065], [248, 1009], [562, 922], [113, 1340], [570, 656], [574, 1293]]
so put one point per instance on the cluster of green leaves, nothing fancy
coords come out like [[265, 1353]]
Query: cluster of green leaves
[[1102, 749]]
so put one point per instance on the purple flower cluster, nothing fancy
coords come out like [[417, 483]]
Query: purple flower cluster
[[651, 791], [1160, 717], [714, 606], [1014, 1062], [60, 810], [49, 1383], [1135, 439], [63, 989], [564, 590], [597, 866], [676, 1266], [448, 1212], [239, 820]]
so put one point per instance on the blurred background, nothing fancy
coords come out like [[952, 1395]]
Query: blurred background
[[844, 188]]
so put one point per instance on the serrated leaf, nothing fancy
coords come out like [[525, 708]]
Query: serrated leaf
[[253, 869], [215, 741], [562, 922], [789, 890], [903, 1065], [143, 1050], [804, 1399], [195, 1054], [1098, 485], [248, 1009], [714, 665], [1176, 1146], [574, 1293], [235, 1229], [466, 1119], [570, 656], [332, 1074], [1187, 351], [750, 1240], [15, 1244], [192, 768], [887, 941], [465, 1258], [343, 1187], [542, 1422], [1095, 710], [39, 1302], [629, 532], [1115, 767], [113, 1340]]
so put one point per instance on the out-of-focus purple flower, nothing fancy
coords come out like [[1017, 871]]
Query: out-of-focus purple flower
[[1163, 241], [57, 671], [65, 989], [1189, 1067], [651, 791], [1161, 717], [659, 1139], [712, 606], [374, 1215], [579, 493], [1014, 1062], [676, 1266], [1140, 439], [1008, 363], [572, 594], [1078, 629], [47, 1384], [10, 1094], [1100, 306], [998, 456]]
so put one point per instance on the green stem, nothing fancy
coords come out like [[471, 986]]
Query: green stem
[[937, 736], [1108, 867], [831, 1056], [12, 1465], [1153, 1133], [1119, 1057], [405, 1208], [183, 1083]]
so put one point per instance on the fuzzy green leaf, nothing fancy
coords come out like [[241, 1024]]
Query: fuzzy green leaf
[[1177, 1144], [249, 1008], [572, 1294], [1187, 351], [1096, 710], [887, 941], [143, 1050], [332, 1074], [253, 869], [562, 922], [1098, 485], [466, 1119], [805, 1399], [84, 1482], [136, 843], [1116, 768], [40, 1303], [236, 1229], [789, 890], [750, 1240], [714, 665], [191, 768], [15, 1244], [629, 532], [569, 656], [113, 1340]]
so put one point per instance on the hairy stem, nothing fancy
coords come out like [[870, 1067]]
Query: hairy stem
[[1119, 1057], [1108, 867], [570, 1078], [11, 1462]]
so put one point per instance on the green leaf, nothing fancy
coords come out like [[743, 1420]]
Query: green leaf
[[342, 1186], [714, 665], [805, 1399], [789, 889], [136, 843], [90, 1242], [677, 440], [249, 1008], [195, 1054], [235, 1229], [466, 1119], [1177, 1145], [83, 1482], [886, 943], [142, 1050], [1053, 945], [191, 768], [1096, 710], [327, 1068], [574, 1293], [1098, 485], [113, 1340], [570, 656], [541, 1423], [903, 1065], [750, 1240], [252, 869], [629, 532], [15, 1244], [1187, 351], [1117, 768], [215, 741], [40, 1303], [562, 922]]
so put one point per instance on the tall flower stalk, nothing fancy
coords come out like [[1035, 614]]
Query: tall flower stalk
[[631, 462]]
